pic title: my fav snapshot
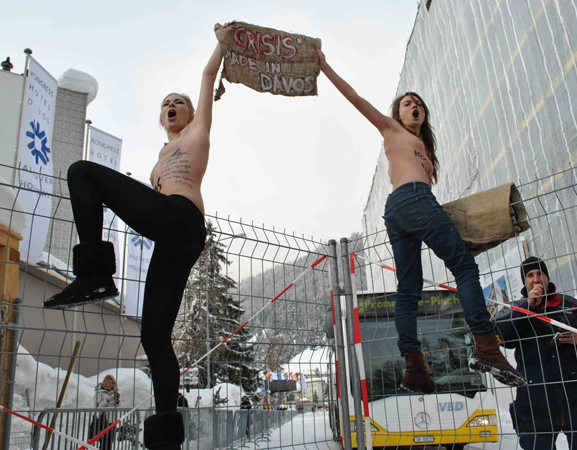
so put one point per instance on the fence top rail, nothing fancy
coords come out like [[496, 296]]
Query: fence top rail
[[227, 228]]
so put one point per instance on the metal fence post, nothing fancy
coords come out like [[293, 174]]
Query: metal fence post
[[12, 376], [345, 413], [354, 368]]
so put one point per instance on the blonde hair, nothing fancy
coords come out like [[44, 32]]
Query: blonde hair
[[111, 378], [186, 99]]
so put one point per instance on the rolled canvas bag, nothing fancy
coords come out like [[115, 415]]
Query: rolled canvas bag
[[487, 218]]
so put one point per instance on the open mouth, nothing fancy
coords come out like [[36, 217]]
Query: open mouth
[[171, 113], [415, 113]]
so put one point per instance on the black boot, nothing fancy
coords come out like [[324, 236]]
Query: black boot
[[164, 431], [417, 379], [93, 264]]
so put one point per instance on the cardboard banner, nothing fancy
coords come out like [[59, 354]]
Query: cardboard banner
[[106, 150], [35, 158], [138, 253], [268, 60]]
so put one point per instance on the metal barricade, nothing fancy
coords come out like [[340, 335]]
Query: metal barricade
[[243, 266], [84, 424], [205, 428]]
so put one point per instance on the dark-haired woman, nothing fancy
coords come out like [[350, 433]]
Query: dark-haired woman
[[413, 216], [172, 215]]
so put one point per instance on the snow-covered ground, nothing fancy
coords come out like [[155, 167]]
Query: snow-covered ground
[[38, 386], [310, 431], [509, 440]]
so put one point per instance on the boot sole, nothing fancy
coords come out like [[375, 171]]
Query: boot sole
[[413, 390], [98, 295], [504, 376]]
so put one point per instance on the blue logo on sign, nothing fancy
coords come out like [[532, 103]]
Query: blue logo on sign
[[138, 240], [36, 133]]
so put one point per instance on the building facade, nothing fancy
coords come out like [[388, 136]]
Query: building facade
[[500, 80], [108, 338]]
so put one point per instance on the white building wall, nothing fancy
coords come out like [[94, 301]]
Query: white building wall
[[500, 80], [11, 85], [108, 338], [68, 145]]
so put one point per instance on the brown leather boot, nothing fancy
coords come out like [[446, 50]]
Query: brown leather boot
[[417, 379], [487, 357]]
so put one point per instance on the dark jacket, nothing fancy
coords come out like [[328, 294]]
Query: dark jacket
[[182, 402], [543, 361], [245, 404]]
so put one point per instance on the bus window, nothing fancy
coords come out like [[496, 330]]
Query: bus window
[[446, 345]]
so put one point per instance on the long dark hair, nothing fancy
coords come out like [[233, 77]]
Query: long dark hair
[[426, 132]]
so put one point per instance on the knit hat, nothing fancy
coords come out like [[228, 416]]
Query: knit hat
[[533, 263]]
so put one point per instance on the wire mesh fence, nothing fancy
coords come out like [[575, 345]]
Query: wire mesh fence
[[279, 360], [283, 360], [469, 407]]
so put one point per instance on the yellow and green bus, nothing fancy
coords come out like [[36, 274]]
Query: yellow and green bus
[[461, 412]]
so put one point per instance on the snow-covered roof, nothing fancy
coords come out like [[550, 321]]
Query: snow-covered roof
[[15, 222], [79, 81], [309, 361]]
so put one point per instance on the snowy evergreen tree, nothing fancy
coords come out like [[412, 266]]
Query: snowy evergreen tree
[[209, 287]]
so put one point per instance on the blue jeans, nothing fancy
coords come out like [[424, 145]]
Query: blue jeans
[[413, 216]]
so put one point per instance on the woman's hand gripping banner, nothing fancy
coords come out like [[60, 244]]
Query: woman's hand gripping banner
[[268, 60]]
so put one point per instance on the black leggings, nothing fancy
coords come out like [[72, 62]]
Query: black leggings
[[176, 226]]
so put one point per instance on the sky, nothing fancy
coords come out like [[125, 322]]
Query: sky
[[303, 165]]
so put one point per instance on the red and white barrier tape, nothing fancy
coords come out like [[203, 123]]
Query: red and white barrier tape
[[392, 269], [88, 445], [360, 361], [506, 305], [538, 316], [52, 430]]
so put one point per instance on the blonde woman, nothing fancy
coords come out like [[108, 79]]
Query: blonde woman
[[172, 215], [106, 393], [105, 396]]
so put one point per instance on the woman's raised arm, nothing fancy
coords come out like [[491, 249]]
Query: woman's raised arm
[[203, 116], [379, 120]]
